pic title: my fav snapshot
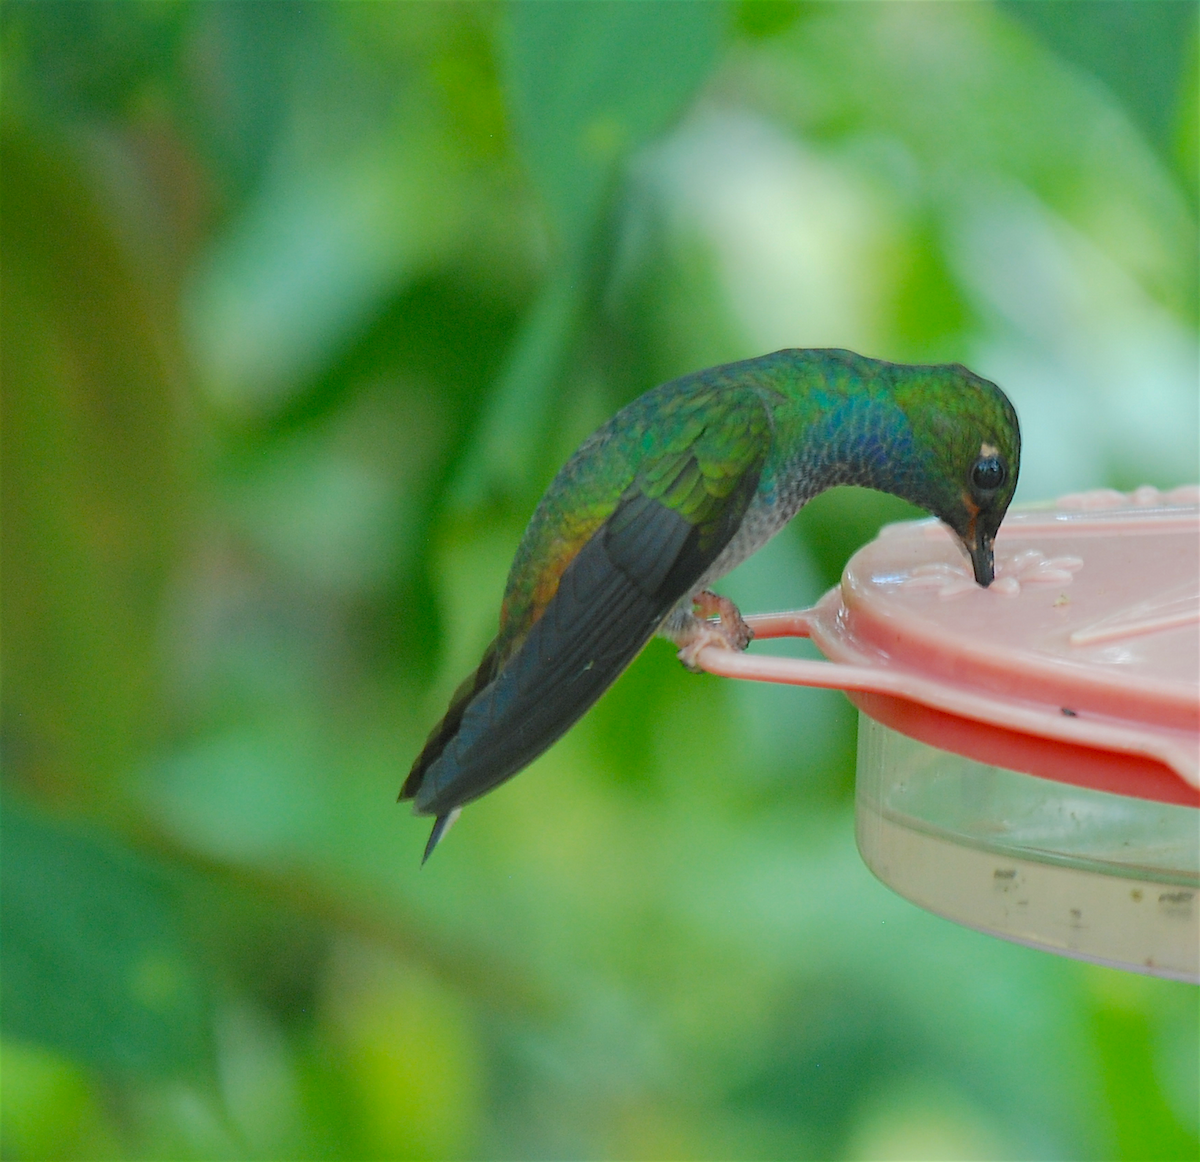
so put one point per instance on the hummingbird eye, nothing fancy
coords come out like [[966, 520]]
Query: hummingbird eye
[[988, 474]]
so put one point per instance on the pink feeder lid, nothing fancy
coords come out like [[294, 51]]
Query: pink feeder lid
[[1080, 663]]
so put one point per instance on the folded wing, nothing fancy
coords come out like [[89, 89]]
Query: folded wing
[[667, 529]]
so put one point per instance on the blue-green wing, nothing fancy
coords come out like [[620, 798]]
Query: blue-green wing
[[695, 471]]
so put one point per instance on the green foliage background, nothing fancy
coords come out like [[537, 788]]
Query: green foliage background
[[303, 304]]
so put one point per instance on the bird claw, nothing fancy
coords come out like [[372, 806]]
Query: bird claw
[[728, 632]]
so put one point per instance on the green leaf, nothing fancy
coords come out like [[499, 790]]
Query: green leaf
[[1139, 50], [512, 427], [91, 960], [588, 84], [310, 261], [94, 494], [591, 82]]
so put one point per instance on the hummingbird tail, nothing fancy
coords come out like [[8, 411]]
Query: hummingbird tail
[[441, 825]]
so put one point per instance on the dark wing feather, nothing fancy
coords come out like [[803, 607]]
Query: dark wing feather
[[446, 729], [609, 602], [672, 522]]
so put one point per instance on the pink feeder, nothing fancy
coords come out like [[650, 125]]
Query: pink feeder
[[1029, 754]]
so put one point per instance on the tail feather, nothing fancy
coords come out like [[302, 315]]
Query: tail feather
[[450, 722], [546, 687], [609, 602], [441, 825], [610, 599]]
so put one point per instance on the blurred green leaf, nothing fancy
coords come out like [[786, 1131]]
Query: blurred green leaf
[[238, 109], [591, 82], [765, 18], [94, 58], [514, 420], [92, 487], [1146, 1126], [49, 1108], [588, 84], [349, 212], [91, 960], [408, 1052], [1141, 51], [314, 258]]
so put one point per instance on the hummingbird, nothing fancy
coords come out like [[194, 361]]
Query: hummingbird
[[680, 486]]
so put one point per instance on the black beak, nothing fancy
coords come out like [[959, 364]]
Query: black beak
[[982, 560]]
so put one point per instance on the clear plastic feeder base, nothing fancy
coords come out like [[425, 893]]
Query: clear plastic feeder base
[[1102, 877]]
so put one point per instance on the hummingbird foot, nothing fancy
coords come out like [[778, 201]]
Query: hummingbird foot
[[728, 632]]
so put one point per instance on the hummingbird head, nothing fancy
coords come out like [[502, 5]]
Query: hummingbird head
[[973, 448]]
